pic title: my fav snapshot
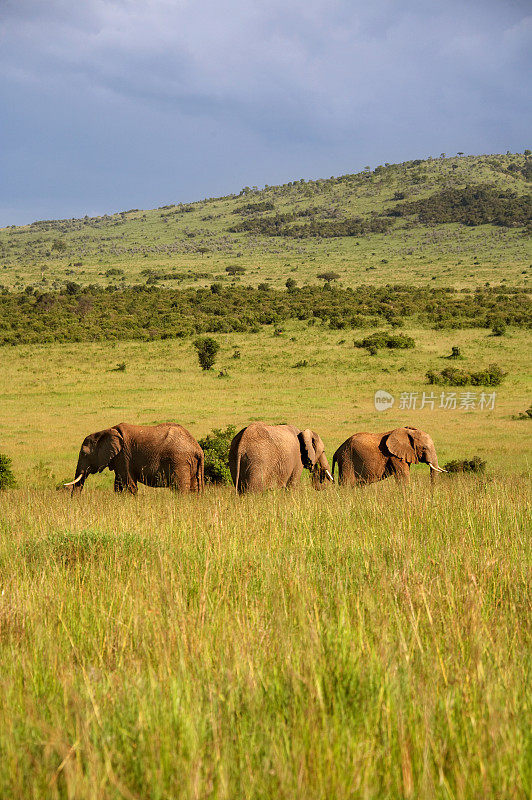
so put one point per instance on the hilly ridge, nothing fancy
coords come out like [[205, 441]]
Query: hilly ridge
[[460, 222]]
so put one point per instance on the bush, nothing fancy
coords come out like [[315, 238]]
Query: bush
[[7, 478], [216, 448], [452, 376], [524, 414], [476, 464], [384, 339], [498, 329], [328, 276], [455, 353], [207, 348]]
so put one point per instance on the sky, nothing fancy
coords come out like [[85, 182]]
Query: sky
[[107, 105]]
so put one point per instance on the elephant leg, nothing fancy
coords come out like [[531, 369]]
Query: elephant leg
[[125, 485], [294, 478], [346, 474], [401, 471], [179, 483]]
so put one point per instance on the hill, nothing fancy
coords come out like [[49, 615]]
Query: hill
[[460, 222]]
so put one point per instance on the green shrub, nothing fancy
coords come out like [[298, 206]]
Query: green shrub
[[524, 414], [498, 329], [452, 376], [476, 464], [207, 348], [328, 276], [384, 339], [7, 478], [216, 448], [455, 353]]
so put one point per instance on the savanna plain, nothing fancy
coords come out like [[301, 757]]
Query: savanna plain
[[368, 643]]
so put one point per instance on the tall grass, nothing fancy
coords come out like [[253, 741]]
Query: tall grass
[[340, 644]]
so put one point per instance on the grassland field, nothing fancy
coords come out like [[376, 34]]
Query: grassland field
[[372, 643], [53, 395], [337, 644]]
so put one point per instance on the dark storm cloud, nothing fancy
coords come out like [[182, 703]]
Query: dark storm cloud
[[136, 102]]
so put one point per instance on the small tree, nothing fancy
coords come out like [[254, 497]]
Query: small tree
[[7, 478], [207, 348], [216, 449]]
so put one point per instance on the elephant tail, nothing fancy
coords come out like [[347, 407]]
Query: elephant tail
[[237, 478], [333, 465], [200, 472]]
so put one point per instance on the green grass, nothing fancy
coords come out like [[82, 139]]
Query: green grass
[[198, 246], [335, 644], [53, 395]]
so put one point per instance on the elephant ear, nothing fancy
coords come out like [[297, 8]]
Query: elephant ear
[[306, 446], [400, 443], [317, 444], [109, 445]]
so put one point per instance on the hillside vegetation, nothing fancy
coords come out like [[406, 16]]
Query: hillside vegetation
[[457, 221]]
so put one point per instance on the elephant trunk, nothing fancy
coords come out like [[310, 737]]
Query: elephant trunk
[[321, 473], [432, 461], [79, 479]]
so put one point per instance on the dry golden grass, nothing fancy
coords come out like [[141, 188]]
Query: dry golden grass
[[333, 644]]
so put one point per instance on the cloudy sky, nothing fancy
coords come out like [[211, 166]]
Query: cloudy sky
[[107, 105]]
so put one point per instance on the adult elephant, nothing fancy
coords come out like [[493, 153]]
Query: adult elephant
[[156, 455], [273, 456], [370, 457]]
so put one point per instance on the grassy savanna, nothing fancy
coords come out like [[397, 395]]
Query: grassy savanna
[[371, 643], [333, 644], [368, 643], [193, 244], [53, 395]]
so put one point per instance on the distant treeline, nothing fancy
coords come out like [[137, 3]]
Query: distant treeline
[[472, 205], [276, 225], [146, 312]]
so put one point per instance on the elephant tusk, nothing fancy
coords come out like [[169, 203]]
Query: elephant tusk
[[77, 480], [436, 469], [329, 475]]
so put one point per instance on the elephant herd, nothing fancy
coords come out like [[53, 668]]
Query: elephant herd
[[260, 457]]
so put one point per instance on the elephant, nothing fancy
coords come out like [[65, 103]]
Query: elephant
[[156, 455], [370, 457], [273, 456]]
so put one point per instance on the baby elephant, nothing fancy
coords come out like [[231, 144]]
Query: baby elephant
[[273, 456], [156, 455], [370, 457]]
